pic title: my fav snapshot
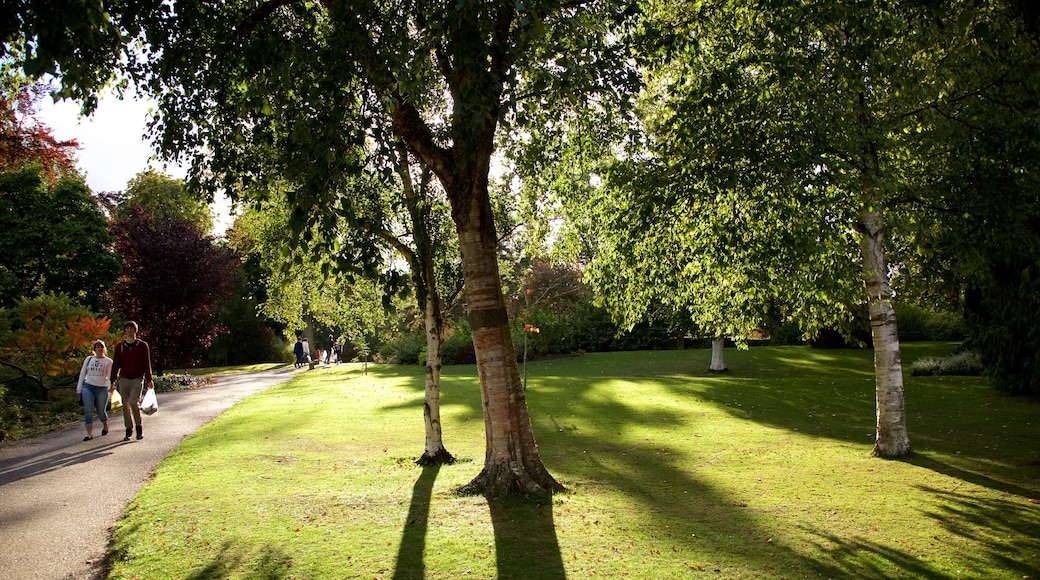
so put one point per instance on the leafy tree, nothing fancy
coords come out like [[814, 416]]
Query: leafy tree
[[48, 335], [81, 44], [779, 141], [166, 198], [246, 334], [296, 293], [24, 139], [426, 251], [341, 301], [53, 238], [972, 240], [310, 82], [173, 280]]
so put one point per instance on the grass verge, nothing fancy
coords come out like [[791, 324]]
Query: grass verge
[[764, 471]]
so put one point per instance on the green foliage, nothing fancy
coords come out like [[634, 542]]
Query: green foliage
[[166, 198], [298, 287], [925, 367], [787, 334], [1003, 327], [81, 44], [585, 328], [53, 238], [969, 233], [245, 335], [458, 345], [916, 323], [22, 417], [965, 363], [404, 348]]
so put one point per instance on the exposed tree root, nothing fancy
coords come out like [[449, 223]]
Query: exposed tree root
[[439, 457], [501, 480]]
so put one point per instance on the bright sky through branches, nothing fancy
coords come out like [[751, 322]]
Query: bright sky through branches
[[113, 148]]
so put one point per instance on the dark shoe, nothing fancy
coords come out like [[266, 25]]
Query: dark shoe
[[140, 432], [87, 438], [129, 432], [104, 432]]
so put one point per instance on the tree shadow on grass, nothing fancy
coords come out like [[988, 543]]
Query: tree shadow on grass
[[526, 545], [859, 557], [271, 564], [1002, 535], [413, 539], [929, 462], [262, 563], [670, 500]]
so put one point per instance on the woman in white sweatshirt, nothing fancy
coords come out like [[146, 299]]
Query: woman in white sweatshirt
[[94, 387]]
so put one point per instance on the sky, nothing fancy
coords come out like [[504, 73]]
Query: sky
[[113, 148]]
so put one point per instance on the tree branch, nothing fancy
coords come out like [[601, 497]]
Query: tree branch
[[259, 14]]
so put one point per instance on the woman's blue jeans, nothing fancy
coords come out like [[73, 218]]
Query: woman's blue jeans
[[95, 399]]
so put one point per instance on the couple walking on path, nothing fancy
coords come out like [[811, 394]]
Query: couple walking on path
[[59, 496], [130, 371]]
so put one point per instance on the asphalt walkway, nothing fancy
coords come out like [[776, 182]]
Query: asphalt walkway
[[60, 495]]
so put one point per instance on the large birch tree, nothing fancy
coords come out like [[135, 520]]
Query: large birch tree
[[781, 131]]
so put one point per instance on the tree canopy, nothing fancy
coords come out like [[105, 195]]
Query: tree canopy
[[172, 282], [24, 139], [166, 198], [53, 238]]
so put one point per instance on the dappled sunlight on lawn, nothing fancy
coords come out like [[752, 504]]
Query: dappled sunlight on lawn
[[743, 474]]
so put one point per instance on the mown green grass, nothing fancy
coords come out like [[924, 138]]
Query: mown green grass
[[673, 472]]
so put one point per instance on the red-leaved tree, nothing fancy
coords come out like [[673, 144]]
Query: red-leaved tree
[[173, 280], [48, 336], [23, 138]]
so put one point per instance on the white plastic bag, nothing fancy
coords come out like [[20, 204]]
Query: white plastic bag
[[149, 405]]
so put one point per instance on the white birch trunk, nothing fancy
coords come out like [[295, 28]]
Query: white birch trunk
[[435, 453], [718, 354], [892, 439]]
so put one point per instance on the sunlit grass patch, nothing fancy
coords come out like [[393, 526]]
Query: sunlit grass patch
[[672, 471]]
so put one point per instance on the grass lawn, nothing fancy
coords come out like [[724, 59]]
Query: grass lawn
[[673, 472]]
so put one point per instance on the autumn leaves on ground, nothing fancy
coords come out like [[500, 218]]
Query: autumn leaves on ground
[[672, 472]]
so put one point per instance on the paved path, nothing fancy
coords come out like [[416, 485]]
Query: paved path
[[60, 495]]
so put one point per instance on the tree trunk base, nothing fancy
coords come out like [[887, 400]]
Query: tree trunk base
[[878, 452], [499, 480], [439, 457]]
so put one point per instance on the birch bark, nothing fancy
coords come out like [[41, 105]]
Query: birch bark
[[718, 354], [891, 439]]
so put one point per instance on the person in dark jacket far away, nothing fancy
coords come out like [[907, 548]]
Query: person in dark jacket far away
[[131, 373]]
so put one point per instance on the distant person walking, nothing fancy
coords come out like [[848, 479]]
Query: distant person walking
[[131, 372], [298, 351], [94, 386], [329, 343]]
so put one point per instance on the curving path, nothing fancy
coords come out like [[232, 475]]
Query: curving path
[[60, 495]]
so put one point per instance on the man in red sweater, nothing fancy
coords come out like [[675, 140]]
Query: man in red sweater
[[132, 366]]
